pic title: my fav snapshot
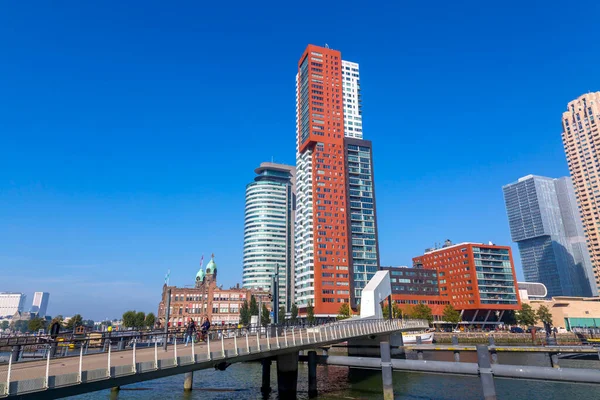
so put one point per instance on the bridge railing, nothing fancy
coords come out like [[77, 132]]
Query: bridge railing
[[85, 362]]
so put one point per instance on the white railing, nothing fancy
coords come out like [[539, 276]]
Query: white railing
[[84, 368]]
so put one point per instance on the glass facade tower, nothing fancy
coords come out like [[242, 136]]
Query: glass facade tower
[[543, 219], [269, 230]]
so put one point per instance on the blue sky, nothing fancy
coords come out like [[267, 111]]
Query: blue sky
[[129, 131]]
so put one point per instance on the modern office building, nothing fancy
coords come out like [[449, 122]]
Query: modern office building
[[544, 221], [477, 279], [40, 303], [581, 139], [269, 230], [11, 303], [329, 132]]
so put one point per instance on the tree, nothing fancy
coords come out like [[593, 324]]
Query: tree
[[4, 325], [19, 326], [544, 315], [140, 319], [129, 319], [422, 311], [310, 313], [245, 313], [106, 323], [396, 312], [150, 320], [253, 306], [344, 311], [36, 324], [294, 312], [59, 318], [74, 321], [526, 316], [281, 316], [265, 318], [451, 314], [88, 322]]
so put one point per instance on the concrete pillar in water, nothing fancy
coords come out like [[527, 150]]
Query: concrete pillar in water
[[287, 375], [386, 371], [312, 374], [266, 376], [188, 381]]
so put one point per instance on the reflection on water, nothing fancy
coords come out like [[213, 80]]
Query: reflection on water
[[242, 381]]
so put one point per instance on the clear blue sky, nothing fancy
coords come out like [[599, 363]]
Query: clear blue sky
[[129, 131]]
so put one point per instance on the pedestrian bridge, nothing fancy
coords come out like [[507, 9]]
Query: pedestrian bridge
[[84, 371]]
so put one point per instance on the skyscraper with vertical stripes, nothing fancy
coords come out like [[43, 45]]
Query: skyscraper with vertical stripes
[[336, 249]]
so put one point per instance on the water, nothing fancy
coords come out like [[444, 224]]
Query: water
[[242, 381]]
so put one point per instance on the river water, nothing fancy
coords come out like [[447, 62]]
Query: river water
[[242, 381]]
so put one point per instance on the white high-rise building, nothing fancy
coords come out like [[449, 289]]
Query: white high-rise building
[[352, 100], [40, 303], [10, 303], [269, 230]]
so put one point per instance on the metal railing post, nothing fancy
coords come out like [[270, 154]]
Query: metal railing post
[[155, 354], [301, 342], [7, 389], [108, 370], [237, 353], [208, 345], [247, 342], [320, 334], [258, 341], [223, 344], [80, 364], [268, 340], [175, 350], [293, 336], [134, 367], [286, 341], [485, 372], [193, 350], [277, 337]]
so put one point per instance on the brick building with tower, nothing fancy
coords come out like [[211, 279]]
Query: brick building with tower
[[206, 299]]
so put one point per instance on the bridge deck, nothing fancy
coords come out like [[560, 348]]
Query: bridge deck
[[79, 374]]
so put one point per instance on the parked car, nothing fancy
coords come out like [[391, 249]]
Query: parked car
[[516, 329]]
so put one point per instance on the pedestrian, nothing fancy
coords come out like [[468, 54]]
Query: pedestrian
[[190, 332]]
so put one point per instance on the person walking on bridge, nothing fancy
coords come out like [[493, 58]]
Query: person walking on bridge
[[191, 331]]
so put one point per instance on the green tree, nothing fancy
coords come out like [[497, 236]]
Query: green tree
[[245, 313], [36, 324], [19, 326], [129, 319], [281, 316], [4, 325], [59, 318], [422, 311], [544, 314], [253, 306], [526, 316], [294, 313], [140, 319], [74, 321], [310, 313], [451, 314], [265, 318], [150, 320], [88, 322], [344, 311], [386, 311]]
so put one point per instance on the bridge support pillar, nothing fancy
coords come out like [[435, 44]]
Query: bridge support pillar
[[266, 376], [188, 381], [287, 375], [386, 371], [312, 374], [16, 353]]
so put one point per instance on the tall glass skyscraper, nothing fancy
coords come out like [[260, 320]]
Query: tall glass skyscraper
[[544, 221], [269, 230]]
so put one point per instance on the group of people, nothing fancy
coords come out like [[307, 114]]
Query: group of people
[[191, 330]]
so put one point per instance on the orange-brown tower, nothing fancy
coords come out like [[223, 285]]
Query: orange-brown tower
[[322, 241]]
